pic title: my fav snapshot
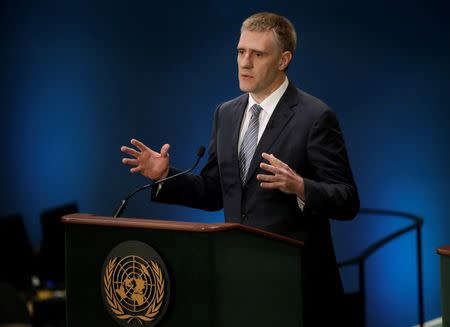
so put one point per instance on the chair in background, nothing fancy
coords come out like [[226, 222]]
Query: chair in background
[[16, 254], [51, 257], [13, 310], [49, 302]]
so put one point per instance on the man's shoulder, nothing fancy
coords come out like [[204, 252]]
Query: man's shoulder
[[230, 108], [309, 101], [307, 106], [237, 101]]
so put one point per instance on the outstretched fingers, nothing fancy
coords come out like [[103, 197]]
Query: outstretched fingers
[[137, 169], [271, 185], [130, 151], [129, 161], [151, 164], [267, 178], [280, 176], [141, 146], [269, 168], [274, 161], [165, 150]]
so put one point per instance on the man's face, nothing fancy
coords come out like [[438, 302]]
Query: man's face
[[259, 63]]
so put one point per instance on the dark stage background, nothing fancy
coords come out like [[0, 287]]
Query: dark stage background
[[80, 79]]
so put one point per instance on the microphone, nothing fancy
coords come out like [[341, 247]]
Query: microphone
[[200, 153]]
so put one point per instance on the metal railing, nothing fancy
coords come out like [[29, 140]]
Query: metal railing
[[360, 260]]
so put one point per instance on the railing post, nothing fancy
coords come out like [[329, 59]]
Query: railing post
[[362, 290], [420, 273]]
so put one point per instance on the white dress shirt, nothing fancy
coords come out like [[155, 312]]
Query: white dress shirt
[[267, 109]]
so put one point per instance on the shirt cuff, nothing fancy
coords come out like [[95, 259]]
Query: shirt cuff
[[300, 202], [158, 189]]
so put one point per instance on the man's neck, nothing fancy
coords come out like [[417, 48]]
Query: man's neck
[[260, 97]]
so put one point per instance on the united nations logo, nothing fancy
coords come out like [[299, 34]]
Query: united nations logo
[[135, 284]]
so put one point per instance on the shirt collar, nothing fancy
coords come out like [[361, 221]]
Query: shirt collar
[[268, 104]]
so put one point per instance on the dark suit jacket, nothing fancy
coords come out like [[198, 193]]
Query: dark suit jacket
[[304, 133]]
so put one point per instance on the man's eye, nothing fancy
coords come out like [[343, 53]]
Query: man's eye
[[258, 54], [240, 51]]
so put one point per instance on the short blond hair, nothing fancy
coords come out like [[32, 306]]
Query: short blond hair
[[281, 26]]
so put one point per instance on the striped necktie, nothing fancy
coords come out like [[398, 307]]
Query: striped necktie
[[249, 142]]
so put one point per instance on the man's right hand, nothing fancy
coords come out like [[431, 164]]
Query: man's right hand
[[149, 163]]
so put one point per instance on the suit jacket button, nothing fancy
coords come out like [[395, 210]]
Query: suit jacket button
[[244, 217]]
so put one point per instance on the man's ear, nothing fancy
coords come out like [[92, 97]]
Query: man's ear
[[286, 58]]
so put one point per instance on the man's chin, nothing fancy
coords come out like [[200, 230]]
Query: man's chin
[[245, 88]]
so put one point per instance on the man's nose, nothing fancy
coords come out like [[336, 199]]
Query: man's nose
[[246, 61]]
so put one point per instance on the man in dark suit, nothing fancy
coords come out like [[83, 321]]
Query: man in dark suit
[[277, 161]]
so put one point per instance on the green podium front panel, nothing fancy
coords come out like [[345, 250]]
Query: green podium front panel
[[258, 281], [186, 256], [445, 289], [224, 278]]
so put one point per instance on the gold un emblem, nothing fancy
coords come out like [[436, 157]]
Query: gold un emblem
[[134, 288]]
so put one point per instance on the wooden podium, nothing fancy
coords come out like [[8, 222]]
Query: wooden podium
[[444, 252], [219, 274]]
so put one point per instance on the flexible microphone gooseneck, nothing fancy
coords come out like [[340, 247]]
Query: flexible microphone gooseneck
[[200, 153]]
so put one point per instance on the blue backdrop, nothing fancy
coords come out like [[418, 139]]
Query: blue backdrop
[[80, 79]]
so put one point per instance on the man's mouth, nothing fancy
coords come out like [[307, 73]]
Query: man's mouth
[[245, 76]]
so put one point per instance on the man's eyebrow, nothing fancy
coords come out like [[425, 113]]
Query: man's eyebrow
[[252, 50]]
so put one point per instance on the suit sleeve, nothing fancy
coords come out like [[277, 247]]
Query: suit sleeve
[[331, 191], [201, 191]]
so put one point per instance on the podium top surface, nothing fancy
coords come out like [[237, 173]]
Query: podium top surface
[[89, 219], [444, 250]]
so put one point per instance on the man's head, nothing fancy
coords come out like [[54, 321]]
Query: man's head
[[265, 49], [281, 27]]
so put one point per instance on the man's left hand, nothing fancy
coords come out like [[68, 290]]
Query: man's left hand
[[282, 177]]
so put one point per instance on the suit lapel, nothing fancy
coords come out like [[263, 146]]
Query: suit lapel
[[236, 123], [280, 117]]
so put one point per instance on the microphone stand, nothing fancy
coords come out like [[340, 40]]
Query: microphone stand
[[200, 153]]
